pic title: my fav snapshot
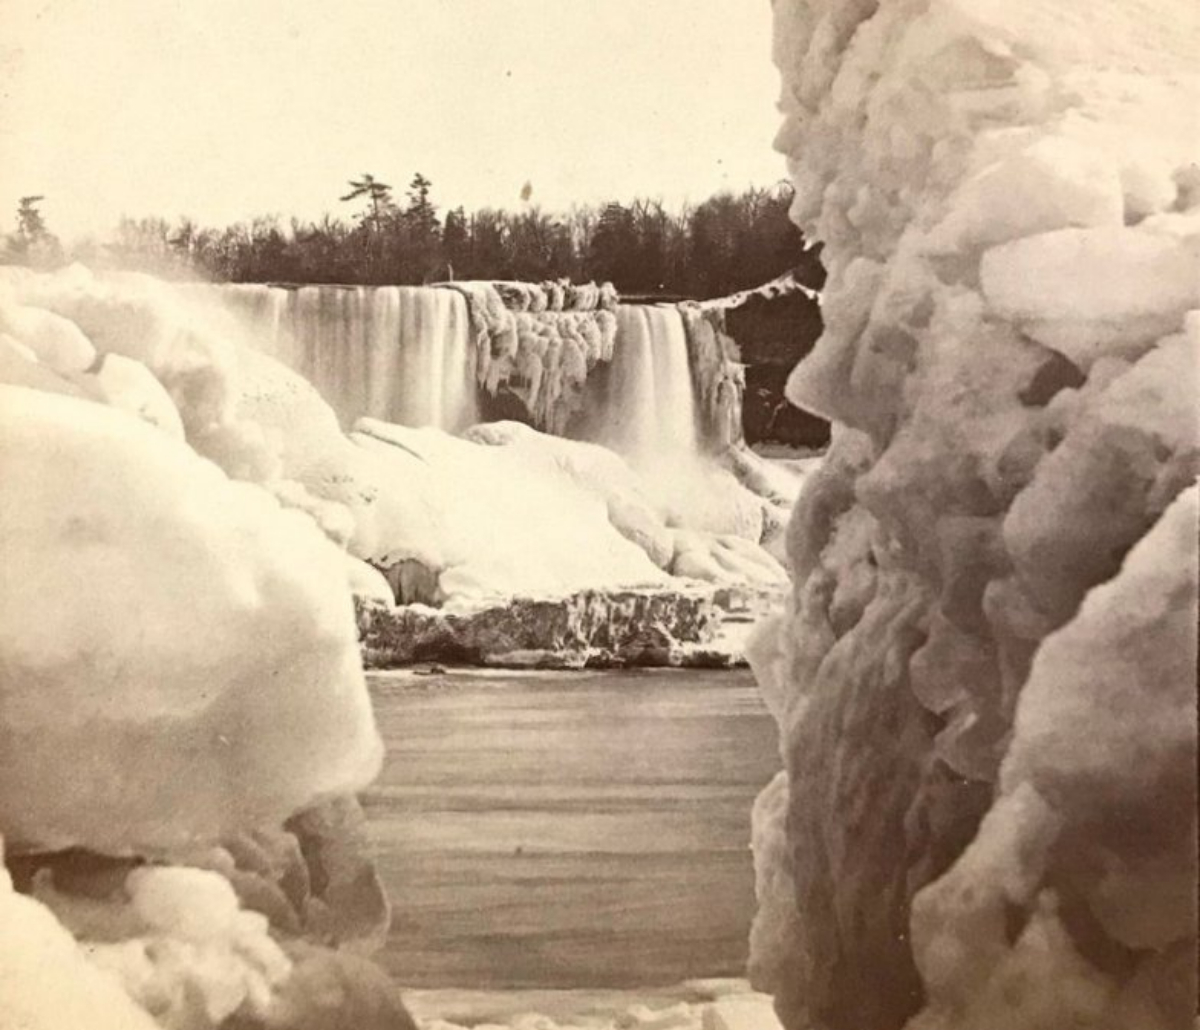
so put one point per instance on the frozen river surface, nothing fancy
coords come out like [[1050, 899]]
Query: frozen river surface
[[578, 830]]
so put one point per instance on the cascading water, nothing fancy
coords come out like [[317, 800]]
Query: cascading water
[[400, 354], [674, 398], [650, 412], [628, 423], [407, 354]]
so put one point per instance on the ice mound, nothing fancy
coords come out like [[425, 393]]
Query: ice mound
[[201, 948], [497, 520], [187, 647], [986, 667]]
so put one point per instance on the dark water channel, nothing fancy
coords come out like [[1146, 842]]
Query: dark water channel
[[584, 829]]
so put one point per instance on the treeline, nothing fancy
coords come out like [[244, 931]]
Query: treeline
[[727, 243]]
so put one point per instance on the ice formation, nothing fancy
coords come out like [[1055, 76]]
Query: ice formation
[[453, 488], [539, 342], [985, 674], [693, 1005], [718, 375], [46, 980], [189, 645]]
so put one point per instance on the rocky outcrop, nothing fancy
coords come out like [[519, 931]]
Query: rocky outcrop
[[765, 331], [590, 628], [988, 812]]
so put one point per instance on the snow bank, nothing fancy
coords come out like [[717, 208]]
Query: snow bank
[[186, 646], [496, 521], [1006, 194]]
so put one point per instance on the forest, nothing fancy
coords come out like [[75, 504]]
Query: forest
[[728, 242]]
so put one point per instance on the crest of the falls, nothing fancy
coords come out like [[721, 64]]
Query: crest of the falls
[[400, 354]]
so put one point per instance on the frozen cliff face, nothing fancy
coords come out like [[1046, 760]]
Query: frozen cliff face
[[180, 657], [539, 341], [1007, 198]]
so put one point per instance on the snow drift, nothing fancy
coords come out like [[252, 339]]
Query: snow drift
[[1007, 197]]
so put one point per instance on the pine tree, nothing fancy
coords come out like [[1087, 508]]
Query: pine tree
[[32, 243]]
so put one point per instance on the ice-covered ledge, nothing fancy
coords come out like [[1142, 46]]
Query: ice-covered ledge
[[1007, 197]]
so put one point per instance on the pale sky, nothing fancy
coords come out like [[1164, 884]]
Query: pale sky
[[223, 109]]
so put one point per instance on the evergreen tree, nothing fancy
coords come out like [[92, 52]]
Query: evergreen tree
[[421, 237], [32, 243], [379, 198]]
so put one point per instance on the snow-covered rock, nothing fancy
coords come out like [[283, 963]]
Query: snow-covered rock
[[1006, 198], [180, 656]]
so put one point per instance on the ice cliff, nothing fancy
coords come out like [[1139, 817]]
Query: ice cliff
[[985, 673]]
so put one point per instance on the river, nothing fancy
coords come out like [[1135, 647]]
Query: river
[[578, 829]]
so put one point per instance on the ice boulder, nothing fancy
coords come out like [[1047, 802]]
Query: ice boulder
[[179, 654], [984, 675]]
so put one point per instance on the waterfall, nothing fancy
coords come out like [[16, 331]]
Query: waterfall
[[675, 404], [650, 411], [406, 354], [397, 353]]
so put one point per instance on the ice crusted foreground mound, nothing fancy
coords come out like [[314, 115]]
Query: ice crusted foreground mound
[[985, 674], [180, 675], [178, 636]]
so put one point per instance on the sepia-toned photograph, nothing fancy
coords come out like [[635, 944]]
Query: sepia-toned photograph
[[599, 514]]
